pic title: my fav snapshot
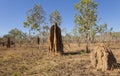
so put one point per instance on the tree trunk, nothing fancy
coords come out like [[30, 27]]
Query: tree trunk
[[20, 42], [87, 44], [87, 47]]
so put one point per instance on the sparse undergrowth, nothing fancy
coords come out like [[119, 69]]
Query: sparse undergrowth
[[35, 62]]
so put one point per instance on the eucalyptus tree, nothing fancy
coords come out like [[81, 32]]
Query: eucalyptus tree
[[46, 29], [109, 34], [76, 34], [35, 17], [44, 32], [86, 19], [101, 30], [16, 34], [55, 17]]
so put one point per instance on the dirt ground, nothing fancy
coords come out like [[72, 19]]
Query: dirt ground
[[37, 62]]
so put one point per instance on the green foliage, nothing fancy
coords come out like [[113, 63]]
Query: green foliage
[[86, 20], [15, 33], [35, 17], [6, 36], [55, 17], [44, 32], [15, 74], [87, 17], [82, 53], [75, 31], [102, 28], [46, 28], [25, 24]]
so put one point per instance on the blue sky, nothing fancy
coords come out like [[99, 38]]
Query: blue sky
[[13, 13]]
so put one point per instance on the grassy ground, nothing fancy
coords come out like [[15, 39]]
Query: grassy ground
[[35, 62]]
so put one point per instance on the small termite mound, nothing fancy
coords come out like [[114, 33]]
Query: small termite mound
[[102, 58]]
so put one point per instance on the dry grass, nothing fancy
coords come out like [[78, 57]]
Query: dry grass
[[35, 62]]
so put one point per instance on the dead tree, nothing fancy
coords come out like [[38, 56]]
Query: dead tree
[[55, 40]]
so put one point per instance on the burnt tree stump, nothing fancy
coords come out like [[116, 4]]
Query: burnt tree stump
[[55, 40], [38, 40], [8, 43]]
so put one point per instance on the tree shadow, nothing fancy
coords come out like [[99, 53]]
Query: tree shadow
[[77, 52]]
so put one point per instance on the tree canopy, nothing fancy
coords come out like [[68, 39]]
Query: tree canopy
[[55, 17], [35, 17]]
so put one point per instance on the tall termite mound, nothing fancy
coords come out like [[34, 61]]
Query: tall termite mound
[[102, 58], [55, 39]]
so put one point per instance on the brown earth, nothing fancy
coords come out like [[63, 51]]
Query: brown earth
[[34, 62]]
